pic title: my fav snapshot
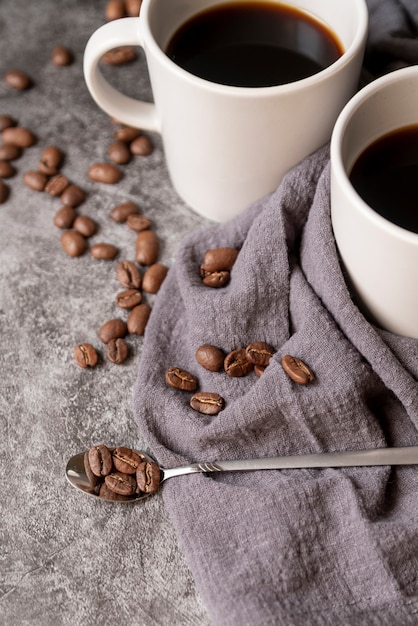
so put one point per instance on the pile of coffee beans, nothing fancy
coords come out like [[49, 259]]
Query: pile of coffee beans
[[120, 473]]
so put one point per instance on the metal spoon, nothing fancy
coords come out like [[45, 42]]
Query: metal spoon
[[76, 473]]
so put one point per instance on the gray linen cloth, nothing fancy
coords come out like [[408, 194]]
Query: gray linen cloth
[[295, 547]]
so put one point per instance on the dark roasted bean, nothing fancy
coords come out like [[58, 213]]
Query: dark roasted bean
[[120, 212], [61, 56], [126, 460], [219, 259], [259, 353], [216, 279], [36, 180], [180, 379], [128, 275], [6, 121], [120, 55], [147, 247], [210, 357], [115, 9], [128, 299], [133, 7], [95, 481], [73, 243], [104, 251], [138, 222], [154, 277], [6, 169], [107, 494], [138, 319], [148, 477], [100, 459], [50, 160], [17, 79], [141, 146], [56, 185], [85, 226], [113, 329], [85, 355], [9, 152], [123, 484], [119, 153], [18, 136], [117, 350], [297, 370], [64, 217], [237, 364], [73, 196], [106, 173], [126, 134], [207, 402]]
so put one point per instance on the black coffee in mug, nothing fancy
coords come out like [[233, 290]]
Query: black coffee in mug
[[254, 44], [385, 175]]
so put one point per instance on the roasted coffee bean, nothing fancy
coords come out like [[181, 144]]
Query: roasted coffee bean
[[119, 153], [6, 169], [85, 226], [297, 370], [56, 185], [115, 9], [50, 161], [104, 251], [73, 196], [133, 7], [138, 223], [95, 481], [107, 494], [62, 56], [128, 299], [141, 146], [123, 484], [18, 136], [147, 247], [120, 212], [126, 134], [210, 357], [219, 259], [100, 459], [117, 351], [259, 370], [9, 152], [6, 121], [85, 355], [119, 56], [154, 277], [104, 173], [138, 319], [73, 243], [237, 364], [4, 192], [128, 275], [180, 379], [18, 80], [216, 279], [113, 329], [36, 180], [259, 353], [64, 217], [126, 460], [207, 402], [148, 477]]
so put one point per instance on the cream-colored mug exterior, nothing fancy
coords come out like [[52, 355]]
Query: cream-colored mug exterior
[[380, 258], [226, 147]]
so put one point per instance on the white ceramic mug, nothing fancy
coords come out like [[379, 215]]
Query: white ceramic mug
[[379, 257], [226, 146]]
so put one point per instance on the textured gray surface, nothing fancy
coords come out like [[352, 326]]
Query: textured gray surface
[[66, 559]]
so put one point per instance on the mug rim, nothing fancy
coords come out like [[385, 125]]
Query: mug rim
[[357, 43], [338, 169]]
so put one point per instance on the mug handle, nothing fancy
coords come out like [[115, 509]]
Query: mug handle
[[122, 32]]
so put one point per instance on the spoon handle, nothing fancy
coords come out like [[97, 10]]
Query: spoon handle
[[379, 456]]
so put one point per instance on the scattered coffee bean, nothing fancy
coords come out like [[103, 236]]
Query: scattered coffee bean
[[154, 277], [113, 329], [64, 217], [120, 212], [94, 480], [73, 196], [18, 136], [50, 161], [133, 7], [4, 192], [36, 180], [6, 169], [138, 223], [104, 173], [120, 56], [6, 121], [126, 134], [104, 251], [297, 370], [73, 243], [210, 357], [141, 146], [85, 226], [259, 353], [62, 56], [207, 402], [138, 319], [126, 460], [180, 379], [9, 152], [148, 477], [85, 355], [119, 153], [219, 259], [115, 9], [128, 275], [128, 299], [56, 185], [147, 247], [236, 363], [216, 279], [18, 80], [124, 484], [117, 351], [100, 460]]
